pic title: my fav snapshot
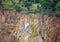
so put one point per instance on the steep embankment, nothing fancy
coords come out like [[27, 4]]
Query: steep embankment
[[44, 27]]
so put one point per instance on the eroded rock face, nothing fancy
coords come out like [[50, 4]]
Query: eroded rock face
[[31, 32], [20, 27]]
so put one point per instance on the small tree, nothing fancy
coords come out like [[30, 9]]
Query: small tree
[[17, 7]]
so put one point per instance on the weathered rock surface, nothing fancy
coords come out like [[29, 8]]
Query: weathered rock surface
[[29, 27]]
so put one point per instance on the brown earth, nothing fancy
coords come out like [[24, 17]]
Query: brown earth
[[11, 22]]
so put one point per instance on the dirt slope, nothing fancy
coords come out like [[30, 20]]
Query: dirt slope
[[42, 28]]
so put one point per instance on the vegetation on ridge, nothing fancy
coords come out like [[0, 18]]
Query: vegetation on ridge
[[32, 5]]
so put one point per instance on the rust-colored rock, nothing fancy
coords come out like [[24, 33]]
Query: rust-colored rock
[[28, 27]]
